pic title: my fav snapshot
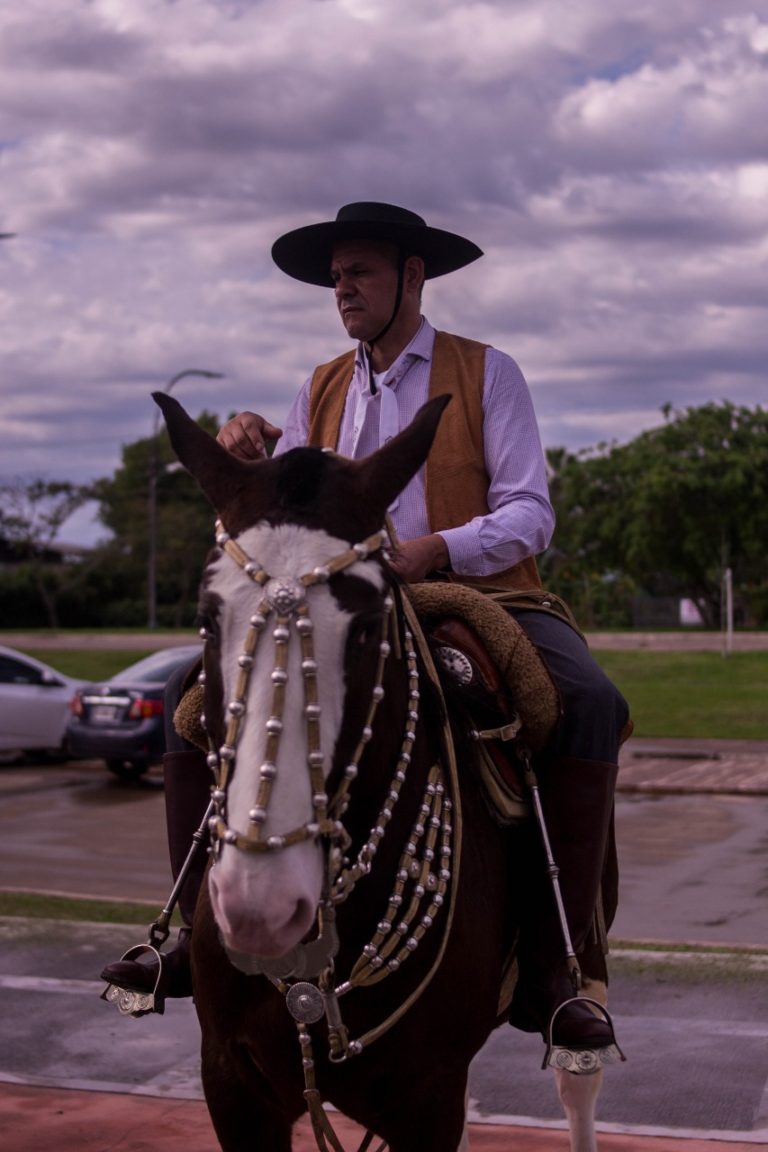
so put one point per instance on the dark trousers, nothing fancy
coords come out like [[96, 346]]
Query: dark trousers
[[593, 710]]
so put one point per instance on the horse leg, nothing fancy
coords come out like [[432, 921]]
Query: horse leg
[[434, 1119], [464, 1145], [578, 1096], [246, 1115]]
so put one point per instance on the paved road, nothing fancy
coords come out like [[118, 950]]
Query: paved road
[[684, 826], [694, 1030], [691, 826]]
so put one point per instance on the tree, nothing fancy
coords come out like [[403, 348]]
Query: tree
[[674, 507], [31, 516]]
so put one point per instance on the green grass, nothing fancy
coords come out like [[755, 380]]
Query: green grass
[[89, 664], [693, 694], [671, 694], [37, 904]]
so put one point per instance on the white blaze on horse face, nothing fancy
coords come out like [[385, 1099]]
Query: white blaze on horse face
[[265, 902]]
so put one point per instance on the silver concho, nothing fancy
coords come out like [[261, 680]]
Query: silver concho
[[455, 663], [284, 594], [305, 1003], [584, 1061], [129, 1003]]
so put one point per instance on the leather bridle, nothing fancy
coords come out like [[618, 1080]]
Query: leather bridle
[[429, 860], [284, 601]]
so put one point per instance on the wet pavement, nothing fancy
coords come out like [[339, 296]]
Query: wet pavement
[[693, 1026], [691, 817], [692, 825]]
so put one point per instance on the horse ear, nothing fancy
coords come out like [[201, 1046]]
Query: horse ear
[[386, 472], [218, 473]]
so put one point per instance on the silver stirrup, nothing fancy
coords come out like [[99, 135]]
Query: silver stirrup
[[128, 1002], [582, 1061]]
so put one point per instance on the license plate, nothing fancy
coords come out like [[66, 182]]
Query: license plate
[[103, 713]]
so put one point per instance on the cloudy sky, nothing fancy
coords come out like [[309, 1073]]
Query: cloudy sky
[[611, 158]]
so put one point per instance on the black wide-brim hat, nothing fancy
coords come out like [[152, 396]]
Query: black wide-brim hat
[[305, 253]]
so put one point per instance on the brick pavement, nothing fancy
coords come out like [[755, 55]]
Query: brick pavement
[[727, 767], [74, 1121]]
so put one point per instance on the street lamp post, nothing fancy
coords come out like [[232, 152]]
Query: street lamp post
[[152, 502]]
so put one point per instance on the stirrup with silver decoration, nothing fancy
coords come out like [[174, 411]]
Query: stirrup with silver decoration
[[581, 1061], [132, 1003]]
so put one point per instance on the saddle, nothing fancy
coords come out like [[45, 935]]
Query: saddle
[[491, 670]]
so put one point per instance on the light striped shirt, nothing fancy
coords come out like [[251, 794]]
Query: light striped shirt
[[520, 521]]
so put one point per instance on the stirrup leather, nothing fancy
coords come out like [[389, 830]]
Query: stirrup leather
[[581, 1061], [136, 1004]]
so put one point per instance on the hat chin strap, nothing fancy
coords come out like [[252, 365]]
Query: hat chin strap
[[390, 322]]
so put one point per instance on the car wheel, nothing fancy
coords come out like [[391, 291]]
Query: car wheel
[[128, 769]]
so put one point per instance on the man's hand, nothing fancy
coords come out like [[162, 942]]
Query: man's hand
[[245, 435], [413, 560]]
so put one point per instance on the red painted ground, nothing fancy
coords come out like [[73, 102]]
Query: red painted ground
[[42, 1119]]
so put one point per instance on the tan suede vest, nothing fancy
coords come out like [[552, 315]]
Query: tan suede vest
[[456, 479]]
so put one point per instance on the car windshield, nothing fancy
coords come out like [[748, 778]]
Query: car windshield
[[157, 667]]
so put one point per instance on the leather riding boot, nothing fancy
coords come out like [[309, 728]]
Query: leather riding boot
[[577, 800], [187, 792], [188, 780], [142, 976]]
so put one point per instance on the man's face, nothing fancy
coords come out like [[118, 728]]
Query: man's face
[[365, 276]]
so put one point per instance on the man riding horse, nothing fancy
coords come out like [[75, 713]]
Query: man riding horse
[[477, 514]]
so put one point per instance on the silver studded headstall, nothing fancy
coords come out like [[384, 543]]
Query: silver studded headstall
[[284, 602], [424, 871]]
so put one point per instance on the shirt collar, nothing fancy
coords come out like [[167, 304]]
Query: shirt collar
[[420, 348]]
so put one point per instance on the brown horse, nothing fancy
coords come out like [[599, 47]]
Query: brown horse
[[350, 944]]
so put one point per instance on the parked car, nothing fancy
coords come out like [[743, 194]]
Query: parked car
[[121, 721], [34, 705]]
